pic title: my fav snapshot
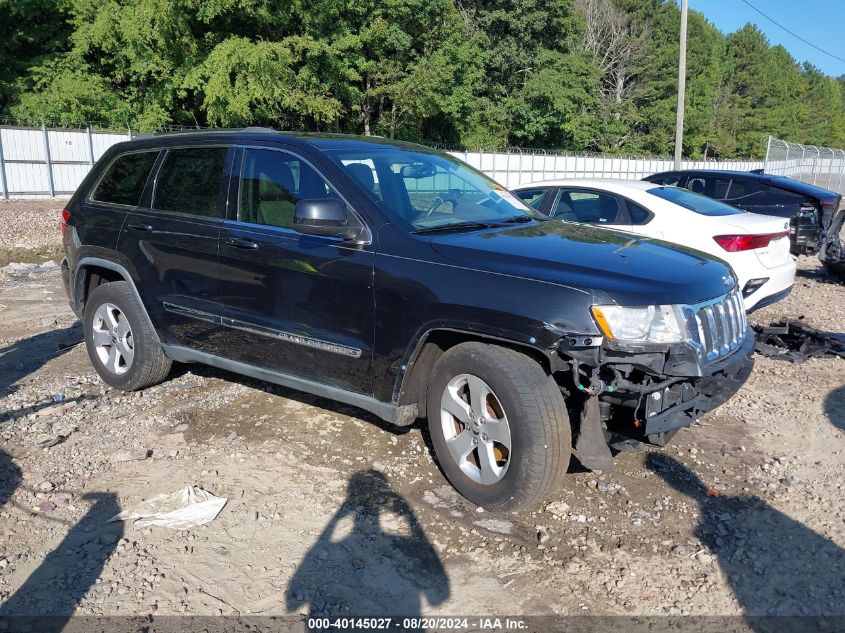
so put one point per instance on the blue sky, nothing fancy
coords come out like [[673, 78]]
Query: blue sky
[[819, 21]]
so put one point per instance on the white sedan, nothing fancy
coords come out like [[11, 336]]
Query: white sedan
[[756, 246]]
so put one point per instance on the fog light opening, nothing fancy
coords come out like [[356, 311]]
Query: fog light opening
[[753, 286]]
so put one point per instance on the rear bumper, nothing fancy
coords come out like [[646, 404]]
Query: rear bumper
[[778, 286], [67, 281], [774, 298]]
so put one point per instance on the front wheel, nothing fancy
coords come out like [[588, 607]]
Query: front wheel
[[499, 426]]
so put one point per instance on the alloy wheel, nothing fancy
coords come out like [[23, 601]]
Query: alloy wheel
[[476, 429], [113, 338]]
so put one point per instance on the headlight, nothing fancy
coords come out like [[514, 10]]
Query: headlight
[[648, 324]]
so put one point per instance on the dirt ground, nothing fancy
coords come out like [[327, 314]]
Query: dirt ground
[[332, 512]]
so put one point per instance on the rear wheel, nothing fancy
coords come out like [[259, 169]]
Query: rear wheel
[[499, 426], [120, 343]]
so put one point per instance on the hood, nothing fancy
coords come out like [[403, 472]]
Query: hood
[[617, 267]]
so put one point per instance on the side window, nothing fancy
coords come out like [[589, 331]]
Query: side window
[[669, 180], [586, 206], [534, 198], [272, 183], [191, 181], [716, 187], [759, 193], [740, 189], [775, 195], [124, 181], [364, 172], [639, 214]]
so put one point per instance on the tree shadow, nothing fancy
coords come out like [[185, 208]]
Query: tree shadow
[[23, 357], [51, 594], [378, 563], [783, 574], [10, 477], [834, 407]]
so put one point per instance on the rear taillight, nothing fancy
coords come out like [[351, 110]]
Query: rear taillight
[[65, 218], [736, 243]]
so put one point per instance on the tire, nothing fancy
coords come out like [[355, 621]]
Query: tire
[[515, 476], [120, 343]]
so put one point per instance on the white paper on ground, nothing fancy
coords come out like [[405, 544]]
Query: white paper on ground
[[186, 508]]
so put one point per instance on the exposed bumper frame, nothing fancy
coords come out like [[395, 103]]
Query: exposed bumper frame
[[684, 402]]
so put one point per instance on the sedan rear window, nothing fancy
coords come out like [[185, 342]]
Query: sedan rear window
[[694, 202]]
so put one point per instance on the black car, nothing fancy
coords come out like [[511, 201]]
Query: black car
[[397, 279], [832, 250], [809, 209]]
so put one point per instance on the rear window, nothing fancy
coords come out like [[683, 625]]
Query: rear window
[[694, 202], [124, 180], [191, 180]]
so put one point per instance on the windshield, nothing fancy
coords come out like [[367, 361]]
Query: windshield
[[694, 202], [427, 191]]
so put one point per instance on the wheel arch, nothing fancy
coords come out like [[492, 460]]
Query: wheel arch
[[412, 385], [91, 272]]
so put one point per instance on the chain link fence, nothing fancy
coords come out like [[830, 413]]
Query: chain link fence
[[820, 166]]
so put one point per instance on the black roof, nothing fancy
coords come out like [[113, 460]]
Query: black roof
[[770, 179], [320, 140]]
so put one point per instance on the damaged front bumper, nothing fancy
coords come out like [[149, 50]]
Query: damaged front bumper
[[683, 402], [653, 393]]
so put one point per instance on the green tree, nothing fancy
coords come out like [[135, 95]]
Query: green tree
[[36, 31]]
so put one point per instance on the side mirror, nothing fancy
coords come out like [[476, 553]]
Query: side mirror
[[324, 216]]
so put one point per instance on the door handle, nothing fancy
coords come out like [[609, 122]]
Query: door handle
[[138, 226], [239, 242]]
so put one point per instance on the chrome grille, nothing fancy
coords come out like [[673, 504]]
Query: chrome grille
[[716, 328]]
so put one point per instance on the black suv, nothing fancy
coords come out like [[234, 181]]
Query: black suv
[[810, 209], [397, 279]]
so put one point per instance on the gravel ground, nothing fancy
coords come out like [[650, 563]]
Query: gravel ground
[[30, 230], [30, 223], [332, 512]]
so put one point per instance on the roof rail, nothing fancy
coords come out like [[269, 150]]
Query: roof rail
[[253, 128]]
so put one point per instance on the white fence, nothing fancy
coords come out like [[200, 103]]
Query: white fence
[[44, 162], [521, 167], [820, 166]]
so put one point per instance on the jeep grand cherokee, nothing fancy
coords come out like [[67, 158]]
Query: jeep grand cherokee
[[398, 279]]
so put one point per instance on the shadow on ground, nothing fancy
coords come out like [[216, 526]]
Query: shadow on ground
[[372, 558], [10, 477], [776, 566], [59, 583], [834, 407], [21, 358], [820, 275]]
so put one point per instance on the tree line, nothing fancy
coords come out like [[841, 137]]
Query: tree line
[[585, 75]]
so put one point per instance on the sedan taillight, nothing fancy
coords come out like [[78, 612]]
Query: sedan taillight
[[65, 218], [736, 243]]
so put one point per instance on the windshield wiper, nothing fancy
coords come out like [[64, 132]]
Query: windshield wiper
[[519, 219], [455, 226]]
